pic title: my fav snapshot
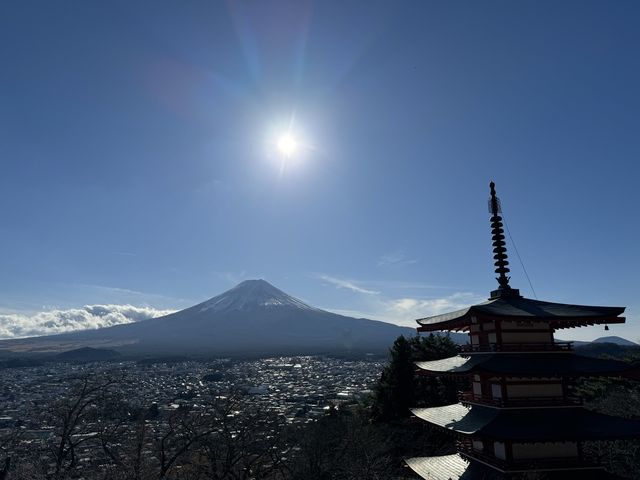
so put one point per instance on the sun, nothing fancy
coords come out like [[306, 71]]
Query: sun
[[287, 145]]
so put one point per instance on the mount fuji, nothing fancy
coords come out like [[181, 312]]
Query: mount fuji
[[253, 318]]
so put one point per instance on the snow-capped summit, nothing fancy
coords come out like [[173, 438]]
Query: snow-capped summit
[[251, 295]]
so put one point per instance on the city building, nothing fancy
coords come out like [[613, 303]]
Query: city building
[[520, 415]]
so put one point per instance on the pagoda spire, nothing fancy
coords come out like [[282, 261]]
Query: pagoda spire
[[499, 248]]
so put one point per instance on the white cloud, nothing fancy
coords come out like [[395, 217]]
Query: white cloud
[[397, 307], [396, 259], [405, 310], [347, 284], [408, 308], [89, 317], [102, 294]]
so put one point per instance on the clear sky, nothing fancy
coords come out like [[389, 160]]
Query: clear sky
[[139, 160]]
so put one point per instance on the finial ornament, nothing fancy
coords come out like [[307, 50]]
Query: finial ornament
[[499, 247]]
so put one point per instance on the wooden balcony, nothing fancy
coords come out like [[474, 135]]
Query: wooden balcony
[[518, 347], [519, 402], [528, 464]]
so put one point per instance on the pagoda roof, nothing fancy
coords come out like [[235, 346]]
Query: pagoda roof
[[529, 364], [529, 425], [559, 315], [448, 467], [457, 467]]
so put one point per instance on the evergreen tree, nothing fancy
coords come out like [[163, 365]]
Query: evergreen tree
[[393, 395], [432, 347], [432, 391], [398, 389]]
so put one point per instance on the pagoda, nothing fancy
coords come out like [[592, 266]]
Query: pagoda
[[520, 415]]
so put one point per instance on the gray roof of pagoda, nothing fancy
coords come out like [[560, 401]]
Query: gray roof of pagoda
[[449, 467], [529, 424], [530, 364], [524, 309], [456, 467]]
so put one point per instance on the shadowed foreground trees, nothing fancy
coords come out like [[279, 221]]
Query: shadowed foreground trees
[[620, 398], [74, 417], [394, 393], [99, 435], [7, 443]]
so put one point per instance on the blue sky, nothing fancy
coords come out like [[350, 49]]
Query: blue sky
[[139, 166]]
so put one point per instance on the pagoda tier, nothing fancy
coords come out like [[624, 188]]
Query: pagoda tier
[[524, 379], [539, 364], [520, 311], [515, 441], [529, 424]]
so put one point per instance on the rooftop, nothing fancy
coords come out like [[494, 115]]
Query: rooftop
[[458, 467], [558, 315], [527, 425], [529, 364]]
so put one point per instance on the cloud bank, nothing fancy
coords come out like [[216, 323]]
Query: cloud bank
[[89, 317], [406, 310]]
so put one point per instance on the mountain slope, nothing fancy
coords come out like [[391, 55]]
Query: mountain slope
[[616, 340], [252, 318]]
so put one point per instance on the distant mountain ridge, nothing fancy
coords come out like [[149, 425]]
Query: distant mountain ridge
[[254, 317], [610, 339], [617, 340]]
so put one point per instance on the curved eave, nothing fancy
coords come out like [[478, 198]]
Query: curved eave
[[559, 315], [463, 322], [458, 320], [457, 418], [444, 467], [529, 425], [461, 467], [458, 467], [456, 365], [540, 365]]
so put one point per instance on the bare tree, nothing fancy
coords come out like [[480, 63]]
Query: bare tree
[[7, 442], [183, 430], [247, 443], [122, 435], [75, 418]]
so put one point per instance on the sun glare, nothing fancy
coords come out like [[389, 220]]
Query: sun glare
[[287, 145]]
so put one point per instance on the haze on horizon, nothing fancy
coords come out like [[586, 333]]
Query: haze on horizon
[[154, 154]]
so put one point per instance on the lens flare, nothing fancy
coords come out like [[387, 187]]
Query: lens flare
[[287, 145]]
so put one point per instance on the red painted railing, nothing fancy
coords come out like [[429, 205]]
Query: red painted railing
[[518, 347], [469, 452], [514, 402]]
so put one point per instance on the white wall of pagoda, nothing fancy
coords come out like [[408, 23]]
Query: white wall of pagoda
[[517, 387], [495, 332]]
